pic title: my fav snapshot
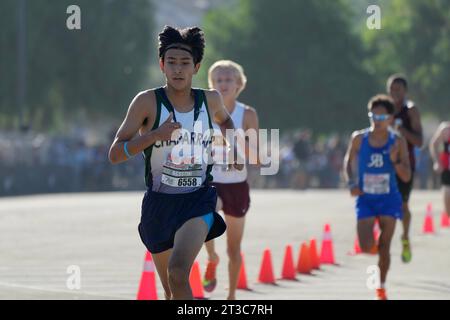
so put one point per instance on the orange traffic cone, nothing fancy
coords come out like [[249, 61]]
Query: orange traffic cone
[[304, 264], [445, 221], [242, 282], [288, 272], [195, 280], [357, 247], [147, 285], [314, 257], [266, 272], [428, 225], [326, 252]]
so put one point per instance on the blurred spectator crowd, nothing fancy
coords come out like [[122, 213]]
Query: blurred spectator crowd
[[308, 161], [39, 163]]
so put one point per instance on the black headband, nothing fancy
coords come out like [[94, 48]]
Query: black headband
[[178, 47]]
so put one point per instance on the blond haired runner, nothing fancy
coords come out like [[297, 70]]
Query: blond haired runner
[[229, 79]]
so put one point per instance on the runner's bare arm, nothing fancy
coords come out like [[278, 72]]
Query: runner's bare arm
[[220, 115], [141, 108], [437, 140], [218, 111], [441, 134], [349, 162], [141, 112], [251, 122], [401, 164], [414, 136]]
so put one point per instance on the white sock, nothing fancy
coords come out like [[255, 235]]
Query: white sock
[[382, 285]]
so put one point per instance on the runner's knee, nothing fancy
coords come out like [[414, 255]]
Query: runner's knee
[[383, 247], [234, 252], [178, 273], [405, 207]]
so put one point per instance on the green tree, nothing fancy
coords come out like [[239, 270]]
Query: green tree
[[8, 62], [415, 40], [94, 71], [302, 60]]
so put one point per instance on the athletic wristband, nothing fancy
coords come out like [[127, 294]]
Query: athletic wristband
[[126, 150]]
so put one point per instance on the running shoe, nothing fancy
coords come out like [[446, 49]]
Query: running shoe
[[381, 294], [406, 251], [210, 281]]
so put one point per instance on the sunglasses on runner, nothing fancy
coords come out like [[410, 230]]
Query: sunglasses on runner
[[378, 117]]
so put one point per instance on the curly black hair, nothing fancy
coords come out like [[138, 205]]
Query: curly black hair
[[192, 37]]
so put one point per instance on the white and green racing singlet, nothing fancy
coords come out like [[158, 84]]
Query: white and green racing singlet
[[179, 165]]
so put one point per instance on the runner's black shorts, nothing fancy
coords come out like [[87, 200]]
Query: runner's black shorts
[[163, 214]]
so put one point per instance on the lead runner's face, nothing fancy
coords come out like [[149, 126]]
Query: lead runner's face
[[178, 67]]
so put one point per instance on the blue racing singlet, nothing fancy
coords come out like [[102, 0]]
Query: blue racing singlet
[[376, 170]]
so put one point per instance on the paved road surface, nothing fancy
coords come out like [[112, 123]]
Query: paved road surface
[[41, 236]]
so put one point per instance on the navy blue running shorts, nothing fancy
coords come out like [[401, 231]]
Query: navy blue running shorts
[[163, 214]]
